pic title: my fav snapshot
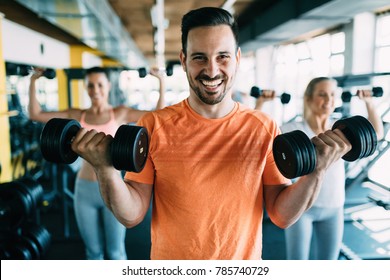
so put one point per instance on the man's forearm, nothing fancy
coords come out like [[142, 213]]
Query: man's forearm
[[122, 199], [295, 199]]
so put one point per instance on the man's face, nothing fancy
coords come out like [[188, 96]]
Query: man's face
[[211, 62]]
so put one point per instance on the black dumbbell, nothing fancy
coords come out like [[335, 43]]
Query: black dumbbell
[[169, 70], [256, 92], [31, 242], [295, 154], [38, 237], [19, 201], [142, 72], [128, 150], [49, 73], [347, 95]]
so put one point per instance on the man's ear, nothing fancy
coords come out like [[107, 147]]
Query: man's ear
[[238, 55], [183, 60]]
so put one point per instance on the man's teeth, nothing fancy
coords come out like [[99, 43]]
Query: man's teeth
[[211, 83]]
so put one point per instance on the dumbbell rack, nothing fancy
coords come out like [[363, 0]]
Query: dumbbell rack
[[59, 180], [21, 234]]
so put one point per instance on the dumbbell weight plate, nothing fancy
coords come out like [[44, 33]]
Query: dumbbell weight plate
[[285, 98], [346, 96], [299, 153], [309, 156], [31, 189], [369, 135], [30, 245], [49, 73], [360, 137], [349, 130], [14, 250], [372, 137], [142, 72], [287, 155], [360, 126], [16, 206], [56, 139], [255, 92], [360, 134], [38, 236], [19, 200], [377, 91], [294, 154], [129, 148]]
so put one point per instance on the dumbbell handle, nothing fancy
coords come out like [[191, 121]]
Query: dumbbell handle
[[347, 95], [48, 73], [256, 92]]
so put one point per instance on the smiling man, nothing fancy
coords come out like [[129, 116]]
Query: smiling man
[[210, 166]]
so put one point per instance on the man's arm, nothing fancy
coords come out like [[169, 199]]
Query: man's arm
[[285, 204], [129, 201]]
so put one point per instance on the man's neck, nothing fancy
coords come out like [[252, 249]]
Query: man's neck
[[214, 111]]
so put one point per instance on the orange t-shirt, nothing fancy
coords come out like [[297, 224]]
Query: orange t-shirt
[[208, 176]]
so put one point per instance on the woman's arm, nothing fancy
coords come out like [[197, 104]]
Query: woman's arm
[[373, 116], [34, 107]]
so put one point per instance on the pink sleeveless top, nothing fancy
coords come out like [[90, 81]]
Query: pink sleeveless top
[[109, 127]]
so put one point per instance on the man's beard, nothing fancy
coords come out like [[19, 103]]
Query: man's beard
[[204, 96]]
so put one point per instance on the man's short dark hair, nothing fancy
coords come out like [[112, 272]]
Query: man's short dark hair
[[206, 16]]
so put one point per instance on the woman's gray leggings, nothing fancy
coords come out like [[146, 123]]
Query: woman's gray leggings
[[316, 235], [101, 232]]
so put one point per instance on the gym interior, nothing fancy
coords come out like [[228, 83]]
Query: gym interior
[[283, 43]]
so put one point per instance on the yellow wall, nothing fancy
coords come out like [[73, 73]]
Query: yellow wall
[[110, 63], [76, 61], [77, 86], [62, 89], [5, 146]]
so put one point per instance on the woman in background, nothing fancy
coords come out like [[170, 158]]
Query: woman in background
[[102, 234]]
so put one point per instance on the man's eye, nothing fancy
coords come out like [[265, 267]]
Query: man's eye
[[199, 58]]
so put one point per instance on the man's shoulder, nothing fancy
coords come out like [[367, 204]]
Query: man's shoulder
[[256, 115], [164, 113]]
